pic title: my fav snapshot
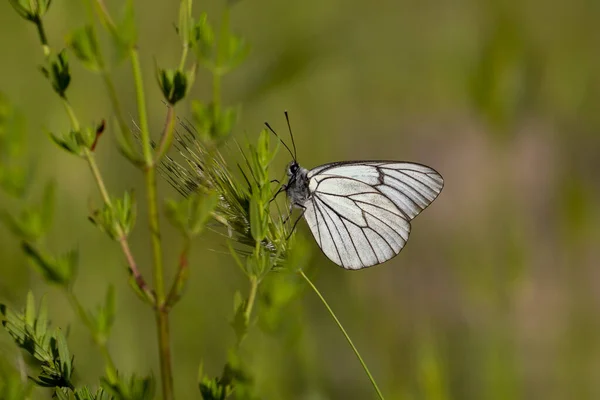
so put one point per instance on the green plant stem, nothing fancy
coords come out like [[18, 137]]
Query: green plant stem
[[110, 87], [100, 341], [339, 324], [43, 37], [216, 70], [89, 157], [114, 100], [162, 320], [251, 297], [183, 57], [167, 136], [74, 121], [141, 104], [185, 6], [162, 313], [122, 239], [181, 277]]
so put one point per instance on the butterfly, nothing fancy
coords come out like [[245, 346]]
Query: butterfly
[[359, 212]]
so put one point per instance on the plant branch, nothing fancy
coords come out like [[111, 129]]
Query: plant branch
[[43, 37], [181, 277], [114, 100], [110, 87], [339, 324], [167, 135], [141, 104], [251, 297], [162, 316], [74, 121], [100, 342], [106, 15], [122, 238]]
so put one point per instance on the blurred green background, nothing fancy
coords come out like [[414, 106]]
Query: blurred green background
[[497, 294]]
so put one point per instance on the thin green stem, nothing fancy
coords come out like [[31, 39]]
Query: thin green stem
[[105, 15], [162, 313], [97, 177], [162, 320], [167, 136], [251, 297], [114, 100], [216, 86], [181, 277], [74, 121], [216, 69], [186, 8], [122, 238], [339, 324], [141, 104], [112, 93], [159, 284], [43, 37], [184, 54], [100, 341]]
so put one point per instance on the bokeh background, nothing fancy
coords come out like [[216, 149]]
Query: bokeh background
[[496, 296]]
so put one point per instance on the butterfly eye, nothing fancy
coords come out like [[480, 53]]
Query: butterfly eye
[[293, 168]]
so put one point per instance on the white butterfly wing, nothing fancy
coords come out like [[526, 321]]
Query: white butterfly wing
[[360, 212]]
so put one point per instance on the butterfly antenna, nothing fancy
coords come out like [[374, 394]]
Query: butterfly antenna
[[282, 142], [287, 118]]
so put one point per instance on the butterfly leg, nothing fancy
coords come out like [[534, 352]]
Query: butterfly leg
[[289, 214], [297, 220], [281, 189]]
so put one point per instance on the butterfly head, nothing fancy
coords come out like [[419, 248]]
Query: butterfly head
[[292, 169]]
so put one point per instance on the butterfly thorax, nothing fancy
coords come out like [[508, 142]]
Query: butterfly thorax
[[297, 185]]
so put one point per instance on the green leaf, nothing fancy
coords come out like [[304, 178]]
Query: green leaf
[[213, 124], [41, 322], [30, 309], [134, 388], [63, 394], [236, 51], [118, 218], [33, 221], [105, 316], [124, 31], [145, 296], [185, 22], [14, 174], [225, 122], [77, 142], [58, 73], [240, 321], [30, 333], [47, 207], [84, 44], [213, 389], [31, 10], [66, 367], [85, 393], [277, 296], [203, 40], [191, 214], [258, 218], [12, 387], [58, 270], [505, 75], [175, 84]]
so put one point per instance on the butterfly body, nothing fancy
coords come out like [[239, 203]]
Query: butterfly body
[[359, 212], [296, 188]]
